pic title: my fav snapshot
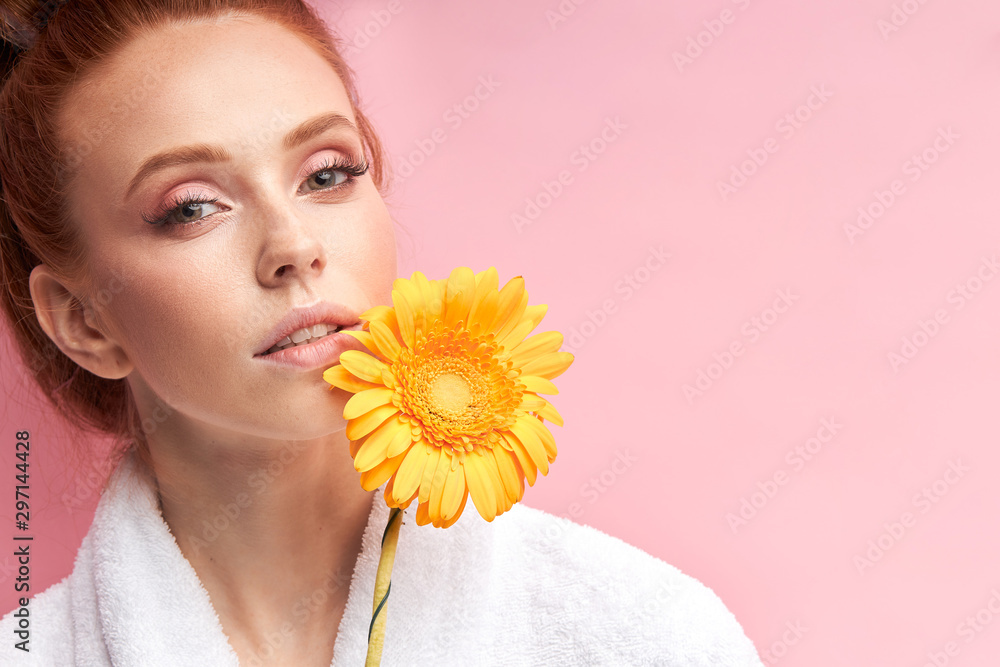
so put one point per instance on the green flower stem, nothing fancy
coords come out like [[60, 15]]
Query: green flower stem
[[376, 629]]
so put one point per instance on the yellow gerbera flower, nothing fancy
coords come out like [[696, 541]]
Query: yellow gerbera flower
[[447, 404]]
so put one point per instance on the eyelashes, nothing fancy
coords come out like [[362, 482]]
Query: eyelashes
[[162, 215], [354, 168]]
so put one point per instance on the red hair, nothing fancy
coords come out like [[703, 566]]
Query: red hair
[[35, 217]]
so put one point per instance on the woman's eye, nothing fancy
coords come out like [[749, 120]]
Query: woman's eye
[[191, 212], [325, 179]]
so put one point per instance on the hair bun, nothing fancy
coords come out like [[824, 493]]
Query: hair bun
[[17, 28], [22, 21]]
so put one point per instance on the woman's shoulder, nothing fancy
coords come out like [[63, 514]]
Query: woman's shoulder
[[39, 633], [611, 601]]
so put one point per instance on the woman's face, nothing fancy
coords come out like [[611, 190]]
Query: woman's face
[[191, 301]]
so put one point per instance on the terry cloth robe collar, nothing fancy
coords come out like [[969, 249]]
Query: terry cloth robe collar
[[153, 609], [530, 588]]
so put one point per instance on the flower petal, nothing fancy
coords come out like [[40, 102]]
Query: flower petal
[[366, 401], [363, 365], [524, 461], [503, 502], [365, 338], [389, 500], [538, 385], [460, 293], [535, 313], [549, 412], [414, 297], [438, 478], [531, 402], [387, 316], [340, 378], [454, 489], [536, 346], [503, 442], [366, 423], [480, 486], [513, 481], [401, 441], [486, 284], [532, 445], [423, 518], [544, 435], [511, 339], [515, 317], [532, 318], [379, 475], [461, 508], [405, 317], [408, 476], [385, 340], [380, 313], [548, 366], [433, 299], [433, 453], [483, 313], [373, 449], [508, 299], [488, 278]]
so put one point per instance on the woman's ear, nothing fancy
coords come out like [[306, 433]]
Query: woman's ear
[[74, 328]]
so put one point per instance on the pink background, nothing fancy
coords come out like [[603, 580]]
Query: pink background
[[841, 545]]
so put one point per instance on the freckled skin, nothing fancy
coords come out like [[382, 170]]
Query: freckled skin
[[185, 292], [189, 307]]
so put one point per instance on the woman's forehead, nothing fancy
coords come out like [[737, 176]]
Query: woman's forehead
[[235, 83]]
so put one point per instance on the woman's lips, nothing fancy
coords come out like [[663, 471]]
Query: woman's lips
[[324, 352]]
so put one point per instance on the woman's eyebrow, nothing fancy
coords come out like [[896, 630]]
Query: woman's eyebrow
[[211, 153]]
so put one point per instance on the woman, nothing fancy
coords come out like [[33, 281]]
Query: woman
[[188, 183]]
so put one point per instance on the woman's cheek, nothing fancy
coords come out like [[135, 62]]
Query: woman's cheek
[[168, 320]]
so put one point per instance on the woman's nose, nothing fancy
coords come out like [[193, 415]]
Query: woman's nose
[[292, 247]]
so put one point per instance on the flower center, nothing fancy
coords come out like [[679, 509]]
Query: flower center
[[456, 390], [450, 394]]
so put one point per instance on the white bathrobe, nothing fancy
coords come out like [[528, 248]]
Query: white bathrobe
[[528, 588]]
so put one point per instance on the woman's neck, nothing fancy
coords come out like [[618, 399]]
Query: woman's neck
[[273, 533]]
